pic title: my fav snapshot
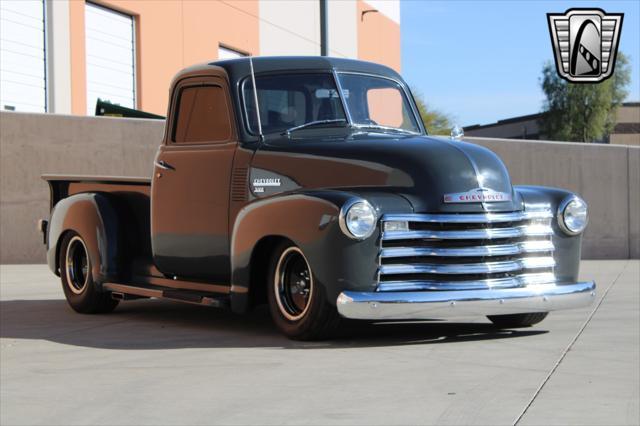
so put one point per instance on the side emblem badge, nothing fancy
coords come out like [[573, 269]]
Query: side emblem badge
[[260, 183]]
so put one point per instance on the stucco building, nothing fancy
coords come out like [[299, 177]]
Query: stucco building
[[59, 56]]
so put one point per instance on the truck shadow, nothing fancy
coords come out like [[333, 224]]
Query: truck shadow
[[154, 324]]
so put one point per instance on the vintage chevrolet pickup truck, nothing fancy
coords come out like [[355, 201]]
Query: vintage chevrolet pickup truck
[[310, 184]]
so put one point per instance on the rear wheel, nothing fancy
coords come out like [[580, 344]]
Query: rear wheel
[[80, 290], [297, 302], [518, 320]]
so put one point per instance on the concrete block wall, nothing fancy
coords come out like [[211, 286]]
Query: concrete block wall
[[36, 144], [608, 177]]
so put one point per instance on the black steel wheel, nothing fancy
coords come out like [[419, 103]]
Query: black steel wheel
[[77, 265], [294, 284], [81, 291], [297, 302]]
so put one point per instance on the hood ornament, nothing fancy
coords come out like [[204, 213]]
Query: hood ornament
[[457, 132], [477, 195]]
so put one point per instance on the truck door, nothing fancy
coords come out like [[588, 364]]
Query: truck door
[[190, 189]]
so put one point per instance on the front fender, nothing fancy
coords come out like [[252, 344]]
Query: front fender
[[93, 216], [567, 248], [310, 221]]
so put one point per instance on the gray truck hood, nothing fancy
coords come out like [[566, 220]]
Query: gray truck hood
[[422, 169]]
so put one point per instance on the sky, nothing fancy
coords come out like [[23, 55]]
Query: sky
[[481, 61]]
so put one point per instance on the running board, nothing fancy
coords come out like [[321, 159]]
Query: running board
[[126, 291]]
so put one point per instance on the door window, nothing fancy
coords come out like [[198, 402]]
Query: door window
[[202, 115]]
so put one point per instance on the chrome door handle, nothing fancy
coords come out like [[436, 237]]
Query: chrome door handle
[[163, 165]]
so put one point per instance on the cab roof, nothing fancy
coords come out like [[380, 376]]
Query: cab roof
[[239, 68], [281, 63]]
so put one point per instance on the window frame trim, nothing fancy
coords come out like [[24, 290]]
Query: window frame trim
[[199, 82]]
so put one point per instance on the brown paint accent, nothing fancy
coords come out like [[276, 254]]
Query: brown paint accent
[[378, 37], [170, 35]]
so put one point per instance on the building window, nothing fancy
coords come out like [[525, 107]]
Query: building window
[[110, 49], [228, 53], [22, 56]]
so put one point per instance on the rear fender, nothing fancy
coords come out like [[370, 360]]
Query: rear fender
[[93, 216]]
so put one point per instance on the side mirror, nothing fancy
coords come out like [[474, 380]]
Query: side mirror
[[457, 132]]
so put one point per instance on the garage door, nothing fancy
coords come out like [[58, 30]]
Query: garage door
[[110, 57], [22, 56]]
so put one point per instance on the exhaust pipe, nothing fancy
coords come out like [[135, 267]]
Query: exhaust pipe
[[118, 296]]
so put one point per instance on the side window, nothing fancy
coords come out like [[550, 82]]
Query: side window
[[202, 115]]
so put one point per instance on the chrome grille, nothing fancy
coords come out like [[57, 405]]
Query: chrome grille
[[466, 251]]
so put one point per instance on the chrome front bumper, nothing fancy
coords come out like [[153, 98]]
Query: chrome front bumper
[[442, 304]]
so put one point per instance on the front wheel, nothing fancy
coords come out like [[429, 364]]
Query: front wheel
[[518, 320], [297, 302], [81, 291]]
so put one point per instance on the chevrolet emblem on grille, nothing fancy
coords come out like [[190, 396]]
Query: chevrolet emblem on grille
[[477, 195]]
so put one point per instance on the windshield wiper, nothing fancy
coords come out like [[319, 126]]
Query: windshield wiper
[[379, 127], [312, 124]]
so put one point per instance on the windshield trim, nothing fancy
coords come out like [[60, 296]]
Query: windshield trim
[[345, 107], [405, 90]]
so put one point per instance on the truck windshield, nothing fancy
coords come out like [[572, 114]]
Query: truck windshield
[[377, 102], [291, 101]]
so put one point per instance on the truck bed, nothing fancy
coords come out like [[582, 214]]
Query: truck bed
[[131, 199], [63, 186]]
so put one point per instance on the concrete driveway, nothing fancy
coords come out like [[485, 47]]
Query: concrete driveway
[[154, 362]]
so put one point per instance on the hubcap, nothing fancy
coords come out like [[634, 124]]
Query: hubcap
[[77, 265], [294, 284]]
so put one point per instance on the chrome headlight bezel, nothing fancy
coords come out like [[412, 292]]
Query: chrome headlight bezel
[[345, 220], [561, 216]]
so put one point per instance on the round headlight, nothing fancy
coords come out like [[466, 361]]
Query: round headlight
[[358, 219], [572, 215]]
